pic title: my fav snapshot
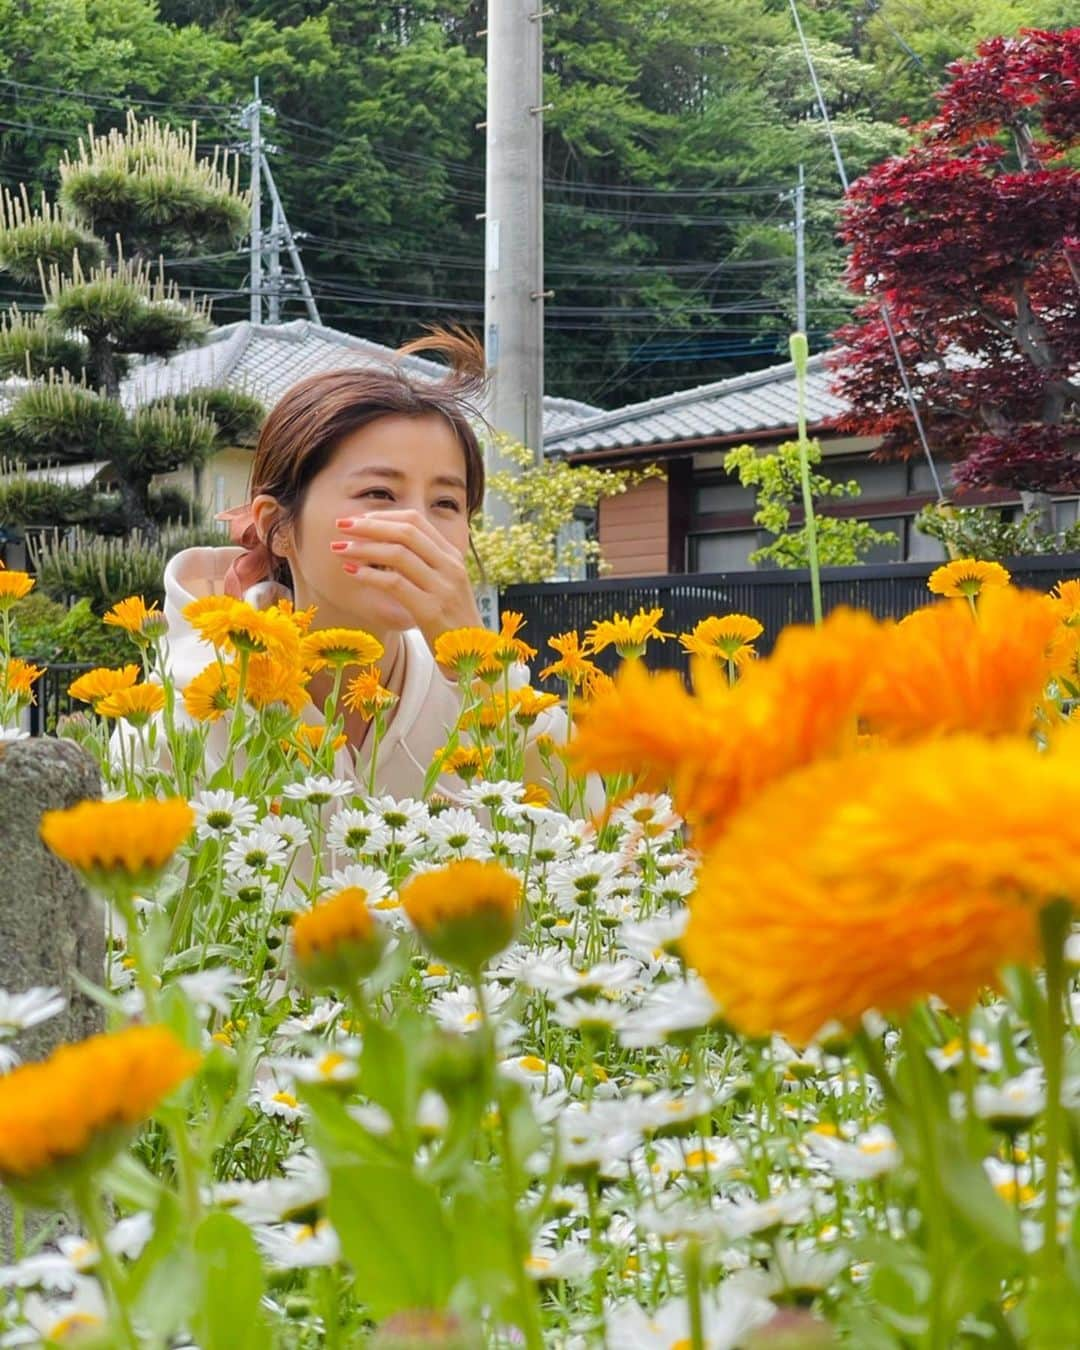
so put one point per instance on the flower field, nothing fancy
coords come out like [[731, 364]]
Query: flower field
[[753, 1025]]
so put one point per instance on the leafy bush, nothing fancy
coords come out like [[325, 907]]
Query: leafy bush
[[47, 632]]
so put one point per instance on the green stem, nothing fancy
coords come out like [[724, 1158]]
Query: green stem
[[88, 1204], [799, 352], [1054, 924], [693, 1294]]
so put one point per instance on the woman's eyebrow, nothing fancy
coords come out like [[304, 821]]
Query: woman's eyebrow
[[388, 471]]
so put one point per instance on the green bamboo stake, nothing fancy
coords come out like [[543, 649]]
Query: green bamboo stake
[[800, 352]]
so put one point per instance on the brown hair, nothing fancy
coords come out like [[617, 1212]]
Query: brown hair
[[314, 416]]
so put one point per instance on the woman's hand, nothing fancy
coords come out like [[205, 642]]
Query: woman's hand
[[402, 554]]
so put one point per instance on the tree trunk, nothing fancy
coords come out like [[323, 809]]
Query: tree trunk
[[1041, 506], [134, 497]]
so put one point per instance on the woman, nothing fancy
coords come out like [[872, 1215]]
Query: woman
[[362, 489]]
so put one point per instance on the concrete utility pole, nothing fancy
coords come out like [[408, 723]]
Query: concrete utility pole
[[514, 254], [255, 251], [800, 253]]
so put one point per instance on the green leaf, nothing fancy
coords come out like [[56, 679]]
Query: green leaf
[[394, 1232], [227, 1315]]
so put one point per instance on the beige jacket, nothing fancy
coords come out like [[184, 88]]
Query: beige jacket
[[427, 708]]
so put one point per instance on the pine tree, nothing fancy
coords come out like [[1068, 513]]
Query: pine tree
[[125, 200]]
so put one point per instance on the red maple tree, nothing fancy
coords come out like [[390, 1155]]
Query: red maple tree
[[972, 241]]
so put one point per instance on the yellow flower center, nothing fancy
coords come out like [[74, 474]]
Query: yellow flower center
[[285, 1098], [330, 1062], [700, 1157], [60, 1331]]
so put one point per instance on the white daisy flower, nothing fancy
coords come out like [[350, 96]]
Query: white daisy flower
[[212, 989], [534, 1072], [456, 830], [299, 1246], [493, 796], [984, 1054], [572, 1261], [304, 1187], [357, 831], [33, 1006], [869, 1155], [259, 850], [405, 814], [54, 1320], [373, 880], [727, 1316], [1014, 1103], [291, 829], [222, 812], [318, 789], [276, 1101], [743, 1217], [670, 1009]]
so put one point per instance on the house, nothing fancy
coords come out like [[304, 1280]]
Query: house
[[697, 518], [264, 360]]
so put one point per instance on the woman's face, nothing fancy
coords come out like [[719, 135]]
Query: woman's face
[[393, 464]]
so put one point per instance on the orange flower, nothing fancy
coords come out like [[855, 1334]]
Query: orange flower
[[135, 705], [945, 669], [138, 619], [211, 694], [881, 877], [1066, 600], [466, 911], [727, 638], [464, 650], [628, 636], [98, 684], [271, 680], [237, 626], [337, 942], [339, 647], [13, 586], [367, 696], [466, 761], [573, 665], [86, 1097], [967, 577], [17, 678], [719, 747], [309, 736]]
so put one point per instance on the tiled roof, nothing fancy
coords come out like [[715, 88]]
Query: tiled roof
[[764, 400], [264, 360]]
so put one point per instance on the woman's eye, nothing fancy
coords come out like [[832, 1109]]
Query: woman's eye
[[380, 493], [449, 504]]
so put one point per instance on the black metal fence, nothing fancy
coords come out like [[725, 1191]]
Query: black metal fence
[[51, 694], [774, 598]]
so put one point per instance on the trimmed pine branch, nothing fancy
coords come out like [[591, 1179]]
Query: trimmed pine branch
[[31, 239], [32, 347], [148, 186], [61, 421]]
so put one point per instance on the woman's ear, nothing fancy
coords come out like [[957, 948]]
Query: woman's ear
[[265, 512]]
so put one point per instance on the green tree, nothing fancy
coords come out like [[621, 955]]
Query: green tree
[[841, 541], [123, 197]]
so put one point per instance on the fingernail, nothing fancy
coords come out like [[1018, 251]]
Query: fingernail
[[351, 568], [346, 523], [340, 545]]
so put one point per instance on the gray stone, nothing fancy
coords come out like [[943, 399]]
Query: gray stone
[[50, 926]]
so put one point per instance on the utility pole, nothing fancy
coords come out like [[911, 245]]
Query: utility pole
[[275, 281], [514, 253], [266, 244], [800, 252], [255, 251]]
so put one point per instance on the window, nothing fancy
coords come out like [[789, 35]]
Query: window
[[874, 480], [723, 495], [726, 552], [887, 553]]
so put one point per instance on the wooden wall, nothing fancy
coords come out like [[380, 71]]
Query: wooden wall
[[633, 530]]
